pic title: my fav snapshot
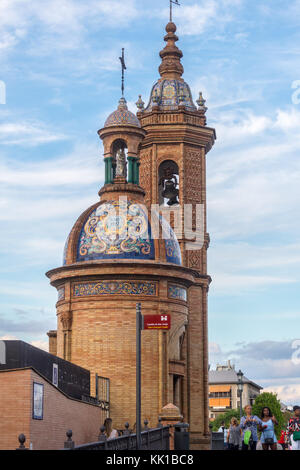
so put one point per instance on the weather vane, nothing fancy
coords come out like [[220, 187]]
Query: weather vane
[[123, 68], [175, 3]]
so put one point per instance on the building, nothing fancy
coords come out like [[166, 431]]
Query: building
[[223, 390], [114, 257]]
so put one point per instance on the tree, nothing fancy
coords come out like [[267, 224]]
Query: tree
[[226, 417], [271, 401]]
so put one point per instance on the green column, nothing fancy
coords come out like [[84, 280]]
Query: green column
[[106, 168], [130, 169], [138, 171], [109, 170]]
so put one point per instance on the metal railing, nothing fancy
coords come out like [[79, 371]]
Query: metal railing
[[152, 439]]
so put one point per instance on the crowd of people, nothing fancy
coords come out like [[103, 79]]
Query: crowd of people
[[245, 435]]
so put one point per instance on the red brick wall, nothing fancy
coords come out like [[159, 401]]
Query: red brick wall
[[15, 407], [60, 414]]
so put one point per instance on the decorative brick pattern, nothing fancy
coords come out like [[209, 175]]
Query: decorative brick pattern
[[115, 288]]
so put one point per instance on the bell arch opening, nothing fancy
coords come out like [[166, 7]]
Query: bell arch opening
[[168, 183]]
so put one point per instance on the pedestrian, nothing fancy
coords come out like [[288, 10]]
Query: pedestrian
[[293, 429], [223, 429], [248, 426], [234, 435], [268, 437], [283, 440], [109, 431]]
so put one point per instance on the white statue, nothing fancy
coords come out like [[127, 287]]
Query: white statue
[[121, 163]]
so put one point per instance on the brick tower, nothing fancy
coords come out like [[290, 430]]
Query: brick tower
[[113, 258], [174, 149]]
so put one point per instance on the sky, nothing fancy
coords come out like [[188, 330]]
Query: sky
[[59, 80]]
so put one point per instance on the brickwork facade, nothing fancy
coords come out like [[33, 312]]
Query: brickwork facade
[[60, 414]]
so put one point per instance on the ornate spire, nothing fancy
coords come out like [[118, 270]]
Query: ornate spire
[[171, 67]]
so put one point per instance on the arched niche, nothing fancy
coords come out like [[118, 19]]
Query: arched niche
[[119, 158], [168, 183]]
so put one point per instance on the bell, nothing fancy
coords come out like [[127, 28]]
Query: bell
[[170, 192]]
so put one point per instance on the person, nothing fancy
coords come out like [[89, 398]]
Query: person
[[223, 429], [268, 437], [109, 431], [248, 426], [293, 429], [283, 440], [234, 435]]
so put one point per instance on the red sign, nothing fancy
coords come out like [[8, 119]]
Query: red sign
[[157, 322]]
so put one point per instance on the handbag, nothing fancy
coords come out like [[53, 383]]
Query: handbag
[[270, 440], [296, 436], [247, 437]]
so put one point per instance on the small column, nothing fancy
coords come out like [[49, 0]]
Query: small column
[[130, 169], [138, 163], [108, 170], [170, 415]]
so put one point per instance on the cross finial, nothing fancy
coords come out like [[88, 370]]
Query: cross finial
[[171, 3], [122, 59]]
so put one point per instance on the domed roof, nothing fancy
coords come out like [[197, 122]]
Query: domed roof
[[119, 229], [169, 94], [122, 116]]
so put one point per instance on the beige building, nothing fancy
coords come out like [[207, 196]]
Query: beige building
[[223, 390]]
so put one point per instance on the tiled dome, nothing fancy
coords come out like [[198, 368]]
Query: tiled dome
[[122, 116], [119, 230], [169, 94]]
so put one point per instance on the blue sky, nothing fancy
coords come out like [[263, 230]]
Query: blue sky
[[59, 62]]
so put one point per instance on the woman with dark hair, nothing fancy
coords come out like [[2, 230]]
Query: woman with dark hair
[[268, 436], [109, 431]]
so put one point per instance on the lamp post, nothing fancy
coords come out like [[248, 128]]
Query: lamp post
[[240, 389]]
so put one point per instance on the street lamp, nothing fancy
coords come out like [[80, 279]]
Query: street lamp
[[240, 389]]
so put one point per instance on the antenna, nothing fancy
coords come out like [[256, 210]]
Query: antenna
[[122, 59], [175, 2]]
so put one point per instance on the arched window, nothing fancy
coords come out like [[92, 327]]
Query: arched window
[[168, 183]]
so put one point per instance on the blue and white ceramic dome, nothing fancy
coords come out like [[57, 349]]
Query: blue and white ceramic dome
[[122, 116], [169, 94], [120, 229]]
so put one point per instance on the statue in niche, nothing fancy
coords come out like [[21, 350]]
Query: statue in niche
[[121, 163]]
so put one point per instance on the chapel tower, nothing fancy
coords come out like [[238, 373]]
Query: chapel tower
[[114, 259], [173, 173]]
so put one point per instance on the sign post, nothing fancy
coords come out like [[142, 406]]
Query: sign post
[[146, 322]]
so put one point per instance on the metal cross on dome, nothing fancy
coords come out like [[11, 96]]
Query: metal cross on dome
[[175, 2], [122, 59]]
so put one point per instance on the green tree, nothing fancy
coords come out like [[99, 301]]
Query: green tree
[[226, 417], [271, 401]]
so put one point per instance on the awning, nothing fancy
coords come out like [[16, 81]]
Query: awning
[[219, 402], [219, 388]]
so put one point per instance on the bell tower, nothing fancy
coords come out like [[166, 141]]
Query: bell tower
[[173, 174]]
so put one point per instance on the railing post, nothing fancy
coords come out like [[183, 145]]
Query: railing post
[[126, 430], [102, 436], [22, 440], [69, 444], [146, 422]]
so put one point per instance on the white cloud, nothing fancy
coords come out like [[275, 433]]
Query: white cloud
[[62, 24], [27, 133], [41, 344]]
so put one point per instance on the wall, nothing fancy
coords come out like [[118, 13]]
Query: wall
[[60, 414], [15, 406]]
